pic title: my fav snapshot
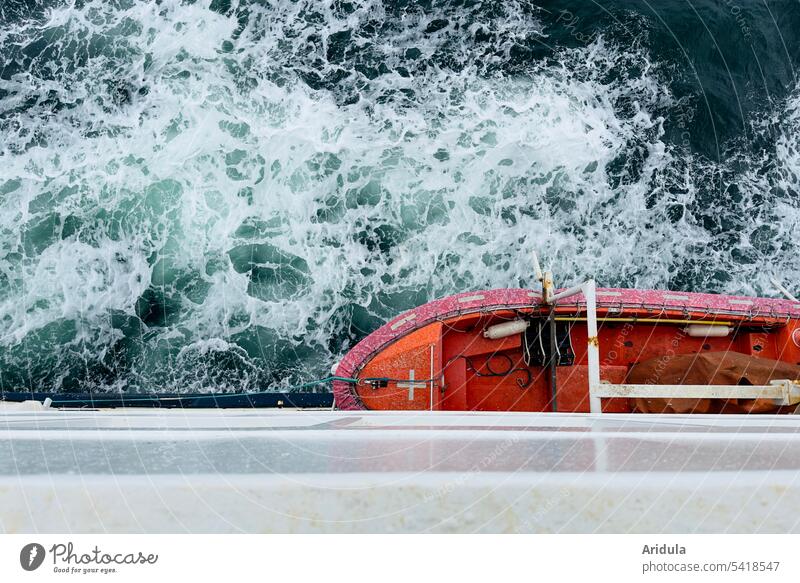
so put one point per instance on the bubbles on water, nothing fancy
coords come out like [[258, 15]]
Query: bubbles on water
[[228, 195]]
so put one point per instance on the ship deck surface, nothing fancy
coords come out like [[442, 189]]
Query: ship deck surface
[[320, 471]]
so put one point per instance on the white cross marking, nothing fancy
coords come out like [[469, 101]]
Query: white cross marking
[[411, 384]]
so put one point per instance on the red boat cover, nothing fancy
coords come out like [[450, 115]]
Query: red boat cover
[[709, 368]]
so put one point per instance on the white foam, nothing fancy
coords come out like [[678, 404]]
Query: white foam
[[471, 171]]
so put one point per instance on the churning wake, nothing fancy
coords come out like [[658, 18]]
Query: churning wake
[[228, 195]]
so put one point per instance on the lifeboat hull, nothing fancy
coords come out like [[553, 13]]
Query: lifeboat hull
[[438, 356]]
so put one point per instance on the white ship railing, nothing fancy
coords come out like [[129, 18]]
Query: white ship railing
[[782, 392]]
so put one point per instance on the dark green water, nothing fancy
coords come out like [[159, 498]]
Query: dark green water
[[228, 195]]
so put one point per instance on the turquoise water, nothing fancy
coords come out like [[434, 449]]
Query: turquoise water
[[228, 195]]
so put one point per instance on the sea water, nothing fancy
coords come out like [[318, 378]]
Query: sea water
[[228, 195]]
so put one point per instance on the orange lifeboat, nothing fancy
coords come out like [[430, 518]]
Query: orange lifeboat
[[507, 350]]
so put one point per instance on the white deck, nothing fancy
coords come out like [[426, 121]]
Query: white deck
[[311, 471]]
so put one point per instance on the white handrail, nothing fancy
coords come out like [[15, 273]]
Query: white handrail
[[782, 392], [592, 344]]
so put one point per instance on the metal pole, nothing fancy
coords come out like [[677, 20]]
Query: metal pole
[[575, 289], [537, 270], [553, 358], [547, 288], [433, 349], [593, 345], [782, 289], [588, 289]]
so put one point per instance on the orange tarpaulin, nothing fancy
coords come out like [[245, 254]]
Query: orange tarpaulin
[[709, 368]]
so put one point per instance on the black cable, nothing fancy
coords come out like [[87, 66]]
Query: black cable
[[509, 371]]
